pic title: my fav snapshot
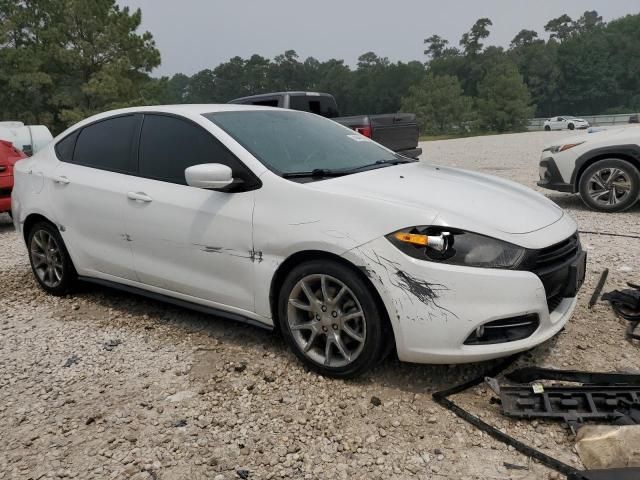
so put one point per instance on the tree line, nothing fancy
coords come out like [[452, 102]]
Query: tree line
[[62, 60]]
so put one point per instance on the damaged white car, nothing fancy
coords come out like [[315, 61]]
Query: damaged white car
[[288, 220]]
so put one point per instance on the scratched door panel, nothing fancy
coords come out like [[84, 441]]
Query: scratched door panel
[[193, 241]]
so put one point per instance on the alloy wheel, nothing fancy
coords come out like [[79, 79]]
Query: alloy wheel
[[46, 258], [326, 320], [609, 186]]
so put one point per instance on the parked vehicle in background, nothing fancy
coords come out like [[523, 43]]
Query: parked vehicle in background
[[291, 221], [9, 155], [27, 138], [565, 122], [603, 167], [396, 131]]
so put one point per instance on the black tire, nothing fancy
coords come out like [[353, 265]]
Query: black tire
[[68, 276], [547, 128], [586, 185], [571, 126], [374, 346]]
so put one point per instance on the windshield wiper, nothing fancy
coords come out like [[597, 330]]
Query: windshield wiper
[[327, 172], [316, 173]]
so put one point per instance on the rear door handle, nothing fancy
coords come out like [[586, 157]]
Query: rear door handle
[[62, 180], [139, 197]]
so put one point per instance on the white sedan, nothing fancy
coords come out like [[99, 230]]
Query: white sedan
[[291, 221], [565, 122]]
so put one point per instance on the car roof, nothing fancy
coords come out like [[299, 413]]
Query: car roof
[[186, 110], [296, 93]]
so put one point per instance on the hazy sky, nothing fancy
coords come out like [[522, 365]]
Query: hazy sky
[[197, 34]]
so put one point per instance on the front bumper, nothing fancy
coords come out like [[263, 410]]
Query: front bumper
[[435, 308], [551, 178]]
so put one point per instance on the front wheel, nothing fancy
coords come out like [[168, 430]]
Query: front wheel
[[572, 126], [547, 128], [610, 185], [50, 260], [329, 317]]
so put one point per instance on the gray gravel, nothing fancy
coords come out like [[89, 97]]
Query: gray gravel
[[104, 384]]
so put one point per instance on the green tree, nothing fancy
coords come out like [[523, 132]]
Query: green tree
[[437, 46], [503, 102], [589, 21], [525, 38], [67, 59], [470, 41], [560, 28], [439, 104]]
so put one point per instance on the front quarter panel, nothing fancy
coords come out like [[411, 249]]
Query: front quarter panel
[[290, 218]]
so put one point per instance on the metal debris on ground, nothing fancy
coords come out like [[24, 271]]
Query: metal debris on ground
[[598, 290], [626, 304]]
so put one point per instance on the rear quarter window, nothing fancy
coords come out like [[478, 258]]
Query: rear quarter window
[[64, 148]]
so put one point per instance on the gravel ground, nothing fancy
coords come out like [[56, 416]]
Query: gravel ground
[[104, 384]]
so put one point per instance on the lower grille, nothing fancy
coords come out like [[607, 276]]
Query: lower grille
[[504, 330], [5, 192]]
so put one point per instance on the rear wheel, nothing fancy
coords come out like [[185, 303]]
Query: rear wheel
[[610, 185], [330, 319], [571, 126], [547, 128], [50, 261]]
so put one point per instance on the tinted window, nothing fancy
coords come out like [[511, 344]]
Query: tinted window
[[266, 103], [64, 148], [288, 141], [320, 105], [170, 145], [107, 144]]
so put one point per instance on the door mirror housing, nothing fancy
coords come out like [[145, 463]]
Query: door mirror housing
[[212, 176]]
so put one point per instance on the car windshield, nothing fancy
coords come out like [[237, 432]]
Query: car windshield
[[298, 143]]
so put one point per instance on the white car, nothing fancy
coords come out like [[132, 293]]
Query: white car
[[286, 219], [603, 167], [565, 121]]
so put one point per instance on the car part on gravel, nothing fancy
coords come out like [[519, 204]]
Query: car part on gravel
[[599, 286], [626, 304], [442, 398], [575, 405], [532, 374], [607, 474]]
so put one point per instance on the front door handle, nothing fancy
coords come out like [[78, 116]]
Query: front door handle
[[139, 197], [62, 180]]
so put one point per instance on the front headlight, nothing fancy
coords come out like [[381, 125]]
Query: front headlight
[[456, 247], [561, 148]]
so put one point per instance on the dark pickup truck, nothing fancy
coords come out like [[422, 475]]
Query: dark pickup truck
[[396, 131]]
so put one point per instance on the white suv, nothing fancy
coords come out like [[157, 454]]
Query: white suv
[[565, 121], [604, 167]]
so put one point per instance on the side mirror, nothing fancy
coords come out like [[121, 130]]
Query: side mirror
[[209, 175]]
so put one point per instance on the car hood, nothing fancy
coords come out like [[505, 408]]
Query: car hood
[[604, 135], [458, 198]]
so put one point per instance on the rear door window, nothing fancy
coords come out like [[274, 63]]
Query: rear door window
[[107, 144]]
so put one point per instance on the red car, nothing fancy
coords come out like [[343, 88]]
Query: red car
[[9, 155]]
